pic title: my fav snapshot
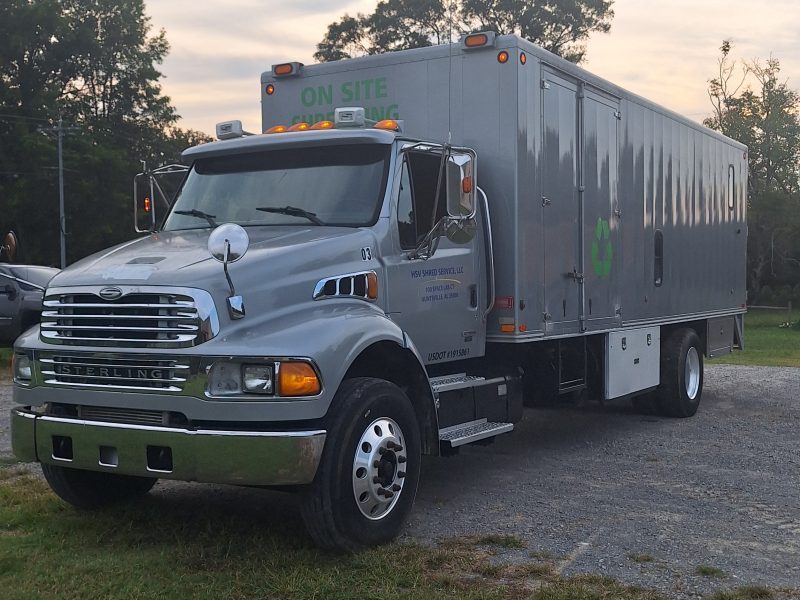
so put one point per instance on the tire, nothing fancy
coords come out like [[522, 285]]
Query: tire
[[90, 490], [373, 444], [681, 375]]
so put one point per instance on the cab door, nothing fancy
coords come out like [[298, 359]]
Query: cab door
[[438, 301]]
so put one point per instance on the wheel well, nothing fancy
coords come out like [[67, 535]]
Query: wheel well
[[391, 362], [699, 327]]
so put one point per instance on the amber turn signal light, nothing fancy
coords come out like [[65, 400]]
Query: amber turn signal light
[[298, 379]]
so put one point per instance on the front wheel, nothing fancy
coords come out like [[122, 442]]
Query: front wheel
[[367, 479], [681, 374], [92, 489]]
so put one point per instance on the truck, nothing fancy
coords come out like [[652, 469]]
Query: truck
[[329, 300]]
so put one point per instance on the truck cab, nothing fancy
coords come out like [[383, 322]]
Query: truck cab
[[354, 261]]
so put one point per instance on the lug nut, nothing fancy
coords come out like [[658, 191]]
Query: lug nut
[[396, 487], [401, 459], [376, 479], [401, 474], [376, 464]]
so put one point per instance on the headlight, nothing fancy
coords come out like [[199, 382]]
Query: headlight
[[257, 378], [22, 368], [224, 378]]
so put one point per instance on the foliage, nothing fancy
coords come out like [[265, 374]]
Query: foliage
[[751, 104], [93, 63], [560, 26]]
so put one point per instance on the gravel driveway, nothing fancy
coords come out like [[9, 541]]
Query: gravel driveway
[[602, 488]]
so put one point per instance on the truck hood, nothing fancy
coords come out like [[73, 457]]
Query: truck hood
[[181, 258]]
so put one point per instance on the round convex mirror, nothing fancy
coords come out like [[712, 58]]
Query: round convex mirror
[[232, 234]]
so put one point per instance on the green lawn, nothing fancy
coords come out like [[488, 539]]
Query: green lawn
[[767, 344]]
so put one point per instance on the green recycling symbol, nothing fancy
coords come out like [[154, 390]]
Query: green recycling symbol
[[602, 266]]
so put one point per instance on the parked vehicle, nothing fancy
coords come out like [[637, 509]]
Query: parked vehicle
[[380, 297], [21, 288]]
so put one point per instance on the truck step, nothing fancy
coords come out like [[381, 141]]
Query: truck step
[[446, 383], [473, 431]]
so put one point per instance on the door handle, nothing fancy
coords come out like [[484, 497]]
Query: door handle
[[473, 295], [10, 291]]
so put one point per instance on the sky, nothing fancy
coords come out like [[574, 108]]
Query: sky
[[664, 50]]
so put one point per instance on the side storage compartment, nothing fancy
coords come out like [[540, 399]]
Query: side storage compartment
[[632, 361], [719, 336]]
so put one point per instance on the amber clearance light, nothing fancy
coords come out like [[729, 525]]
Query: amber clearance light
[[475, 40], [302, 126], [298, 379]]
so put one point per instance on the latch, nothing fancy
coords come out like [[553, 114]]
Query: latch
[[576, 276]]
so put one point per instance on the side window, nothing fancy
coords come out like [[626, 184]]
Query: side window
[[731, 187], [405, 212], [415, 204]]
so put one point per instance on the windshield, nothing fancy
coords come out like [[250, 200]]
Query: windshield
[[340, 185]]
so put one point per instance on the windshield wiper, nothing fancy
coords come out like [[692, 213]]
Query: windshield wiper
[[292, 211], [198, 213]]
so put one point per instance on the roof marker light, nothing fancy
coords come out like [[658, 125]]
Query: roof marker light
[[390, 124], [286, 69], [523, 58], [301, 126], [473, 41], [502, 57], [276, 129], [270, 89], [322, 125]]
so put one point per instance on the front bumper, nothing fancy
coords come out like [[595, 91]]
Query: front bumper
[[210, 456]]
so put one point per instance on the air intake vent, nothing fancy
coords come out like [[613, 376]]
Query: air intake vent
[[363, 286], [114, 317]]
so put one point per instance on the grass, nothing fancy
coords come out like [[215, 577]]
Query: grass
[[188, 548], [641, 558], [765, 342], [708, 571], [195, 547]]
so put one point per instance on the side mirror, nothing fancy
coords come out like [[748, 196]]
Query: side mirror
[[150, 185], [461, 186], [227, 244], [144, 207]]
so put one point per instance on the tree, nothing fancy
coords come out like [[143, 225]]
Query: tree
[[752, 105], [93, 62], [560, 26]]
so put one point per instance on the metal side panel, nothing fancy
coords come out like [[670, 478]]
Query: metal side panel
[[633, 360], [719, 336]]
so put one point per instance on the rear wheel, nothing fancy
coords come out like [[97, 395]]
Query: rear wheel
[[681, 374], [92, 489], [367, 479]]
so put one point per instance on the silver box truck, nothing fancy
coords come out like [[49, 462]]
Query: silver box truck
[[379, 297]]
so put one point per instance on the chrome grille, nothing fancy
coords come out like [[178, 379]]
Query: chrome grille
[[134, 320], [114, 372], [123, 415]]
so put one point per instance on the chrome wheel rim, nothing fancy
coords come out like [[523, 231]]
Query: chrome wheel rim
[[379, 468], [692, 373]]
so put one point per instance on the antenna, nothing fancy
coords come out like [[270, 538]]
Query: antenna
[[450, 6]]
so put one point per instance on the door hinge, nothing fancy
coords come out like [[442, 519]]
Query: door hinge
[[545, 84], [617, 115], [545, 201], [618, 213], [546, 316]]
